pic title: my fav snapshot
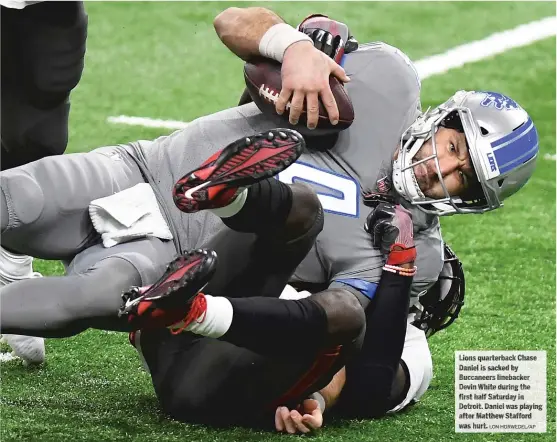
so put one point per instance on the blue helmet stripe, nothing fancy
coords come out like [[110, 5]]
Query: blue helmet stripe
[[520, 160], [504, 140], [518, 150]]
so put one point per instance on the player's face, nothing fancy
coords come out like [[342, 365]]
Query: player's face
[[454, 161]]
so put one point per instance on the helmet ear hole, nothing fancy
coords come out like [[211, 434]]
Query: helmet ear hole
[[484, 131], [500, 182]]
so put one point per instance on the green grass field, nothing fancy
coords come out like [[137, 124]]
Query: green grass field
[[163, 60]]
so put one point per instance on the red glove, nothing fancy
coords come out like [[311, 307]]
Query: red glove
[[392, 231], [329, 36]]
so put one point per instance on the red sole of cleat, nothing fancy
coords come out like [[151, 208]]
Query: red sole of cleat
[[192, 271], [242, 163]]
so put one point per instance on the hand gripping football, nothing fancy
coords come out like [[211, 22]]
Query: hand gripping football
[[263, 81]]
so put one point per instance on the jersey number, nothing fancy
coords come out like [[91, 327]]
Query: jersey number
[[344, 196]]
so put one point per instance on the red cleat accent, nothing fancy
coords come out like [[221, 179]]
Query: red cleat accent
[[247, 161], [169, 299], [198, 308]]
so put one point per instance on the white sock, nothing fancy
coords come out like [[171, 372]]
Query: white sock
[[216, 319], [234, 207], [15, 267]]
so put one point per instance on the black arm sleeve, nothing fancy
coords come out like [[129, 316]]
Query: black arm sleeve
[[376, 380]]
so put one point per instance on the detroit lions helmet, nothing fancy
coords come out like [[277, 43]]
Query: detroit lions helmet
[[440, 305], [503, 145]]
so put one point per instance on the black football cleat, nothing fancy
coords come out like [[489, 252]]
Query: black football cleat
[[169, 299], [247, 161]]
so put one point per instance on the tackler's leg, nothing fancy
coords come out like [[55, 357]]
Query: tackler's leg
[[257, 363], [272, 225], [265, 325], [261, 264]]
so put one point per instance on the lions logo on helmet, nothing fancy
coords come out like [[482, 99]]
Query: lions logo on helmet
[[499, 101], [440, 305], [502, 142]]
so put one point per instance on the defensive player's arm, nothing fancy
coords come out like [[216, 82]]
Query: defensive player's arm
[[309, 414], [377, 380], [376, 376], [394, 365], [331, 392]]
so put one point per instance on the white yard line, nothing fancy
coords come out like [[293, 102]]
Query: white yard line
[[147, 122], [456, 57], [497, 43]]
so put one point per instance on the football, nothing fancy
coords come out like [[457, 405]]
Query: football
[[263, 81]]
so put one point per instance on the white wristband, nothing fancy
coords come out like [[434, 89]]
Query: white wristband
[[278, 38], [320, 400]]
